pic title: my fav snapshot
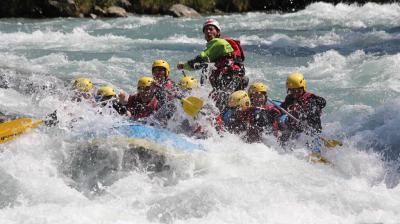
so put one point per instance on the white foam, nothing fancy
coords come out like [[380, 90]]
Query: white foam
[[230, 182], [78, 39], [318, 15]]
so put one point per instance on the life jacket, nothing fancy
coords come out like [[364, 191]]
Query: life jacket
[[219, 123], [234, 62], [301, 106], [299, 110], [273, 111], [165, 91], [236, 121], [168, 84], [139, 109], [238, 53]]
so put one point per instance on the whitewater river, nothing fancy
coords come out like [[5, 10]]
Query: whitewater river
[[350, 55]]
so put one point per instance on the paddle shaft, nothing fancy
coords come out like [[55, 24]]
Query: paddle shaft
[[293, 117], [330, 143], [286, 112]]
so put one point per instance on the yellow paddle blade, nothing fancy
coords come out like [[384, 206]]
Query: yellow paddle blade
[[318, 158], [11, 129], [192, 105], [331, 143]]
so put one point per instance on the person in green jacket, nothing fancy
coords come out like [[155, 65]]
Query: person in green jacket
[[227, 55]]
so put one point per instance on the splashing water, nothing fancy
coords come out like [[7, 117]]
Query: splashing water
[[349, 54]]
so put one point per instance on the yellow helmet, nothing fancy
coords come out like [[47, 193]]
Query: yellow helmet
[[106, 91], [83, 84], [163, 64], [239, 99], [145, 81], [188, 82], [296, 80], [258, 87]]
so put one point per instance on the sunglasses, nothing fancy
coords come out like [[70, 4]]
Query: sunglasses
[[144, 89], [295, 91], [259, 94], [158, 69]]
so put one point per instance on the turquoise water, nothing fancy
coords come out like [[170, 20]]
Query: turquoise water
[[349, 54]]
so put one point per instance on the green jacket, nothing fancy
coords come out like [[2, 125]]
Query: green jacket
[[215, 49]]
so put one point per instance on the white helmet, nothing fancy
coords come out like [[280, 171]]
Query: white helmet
[[211, 22]]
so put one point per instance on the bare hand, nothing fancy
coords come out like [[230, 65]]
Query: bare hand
[[122, 97]]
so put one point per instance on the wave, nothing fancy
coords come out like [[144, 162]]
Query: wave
[[375, 42], [319, 16], [344, 59], [77, 40]]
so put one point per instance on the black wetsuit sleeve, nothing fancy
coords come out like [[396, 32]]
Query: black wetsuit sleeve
[[121, 109], [288, 101], [192, 63]]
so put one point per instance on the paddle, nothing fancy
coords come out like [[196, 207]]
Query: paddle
[[315, 157], [191, 105], [329, 143], [11, 129]]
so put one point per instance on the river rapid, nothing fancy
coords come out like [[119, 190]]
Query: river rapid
[[349, 54]]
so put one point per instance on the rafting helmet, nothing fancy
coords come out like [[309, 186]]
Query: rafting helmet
[[296, 80], [258, 87], [145, 81], [82, 85], [188, 82], [106, 91], [163, 64], [212, 22], [239, 99]]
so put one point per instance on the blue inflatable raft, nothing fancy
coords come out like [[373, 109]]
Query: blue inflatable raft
[[158, 136]]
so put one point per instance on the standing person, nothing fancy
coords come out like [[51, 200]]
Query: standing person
[[306, 107], [228, 56], [266, 115]]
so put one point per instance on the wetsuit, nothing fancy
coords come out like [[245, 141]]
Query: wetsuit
[[140, 109]]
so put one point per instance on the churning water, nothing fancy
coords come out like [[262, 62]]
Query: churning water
[[349, 54]]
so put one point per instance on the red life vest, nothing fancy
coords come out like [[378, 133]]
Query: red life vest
[[272, 109], [238, 121], [233, 62], [299, 109], [230, 68], [219, 123], [238, 52], [302, 105], [139, 109], [168, 84]]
